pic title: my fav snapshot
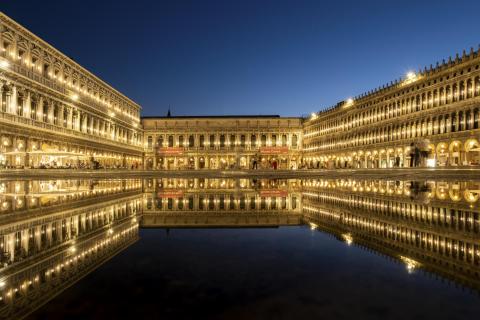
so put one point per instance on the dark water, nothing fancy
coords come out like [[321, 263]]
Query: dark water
[[197, 248], [261, 273]]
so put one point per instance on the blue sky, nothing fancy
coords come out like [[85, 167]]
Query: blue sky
[[250, 57]]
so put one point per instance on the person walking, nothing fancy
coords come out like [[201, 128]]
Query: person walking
[[417, 156], [412, 154]]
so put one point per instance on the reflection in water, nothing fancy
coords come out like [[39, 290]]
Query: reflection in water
[[61, 238], [53, 233], [221, 202], [434, 225]]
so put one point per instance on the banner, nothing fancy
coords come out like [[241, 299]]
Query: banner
[[274, 150], [170, 150], [273, 193]]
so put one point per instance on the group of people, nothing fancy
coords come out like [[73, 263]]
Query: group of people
[[272, 164], [417, 155]]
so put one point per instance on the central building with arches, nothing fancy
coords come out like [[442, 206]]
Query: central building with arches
[[222, 142]]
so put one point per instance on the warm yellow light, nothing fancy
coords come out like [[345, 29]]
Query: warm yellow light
[[4, 64], [410, 263], [75, 97], [410, 75]]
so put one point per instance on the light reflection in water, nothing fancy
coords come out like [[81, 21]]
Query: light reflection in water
[[54, 232]]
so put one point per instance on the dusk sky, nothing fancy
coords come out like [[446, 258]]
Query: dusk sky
[[250, 57]]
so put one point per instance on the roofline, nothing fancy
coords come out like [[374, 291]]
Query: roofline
[[219, 117]]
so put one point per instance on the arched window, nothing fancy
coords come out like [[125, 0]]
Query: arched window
[[233, 139], [454, 93], [20, 105], [33, 110], [242, 141], [447, 124], [284, 140], [468, 122], [476, 116], [264, 140], [212, 141], [45, 112], [149, 142], [160, 141], [180, 141], [461, 118], [222, 141], [453, 122], [202, 141], [274, 140], [191, 141], [294, 140], [477, 86], [469, 88], [253, 140], [170, 141]]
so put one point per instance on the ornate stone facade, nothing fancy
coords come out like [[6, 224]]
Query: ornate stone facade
[[55, 113], [430, 118], [222, 142]]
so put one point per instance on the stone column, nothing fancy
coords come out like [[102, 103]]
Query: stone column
[[77, 121], [92, 125], [70, 118], [27, 104], [59, 116], [85, 122], [13, 100], [8, 99], [25, 238], [51, 109]]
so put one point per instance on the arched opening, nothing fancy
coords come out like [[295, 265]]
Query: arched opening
[[442, 154], [455, 153], [472, 152]]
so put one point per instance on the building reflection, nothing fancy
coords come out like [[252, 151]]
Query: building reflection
[[61, 230], [73, 228], [18, 196], [433, 225], [221, 202]]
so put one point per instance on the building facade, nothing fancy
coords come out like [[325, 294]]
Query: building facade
[[55, 113], [222, 142], [430, 118]]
